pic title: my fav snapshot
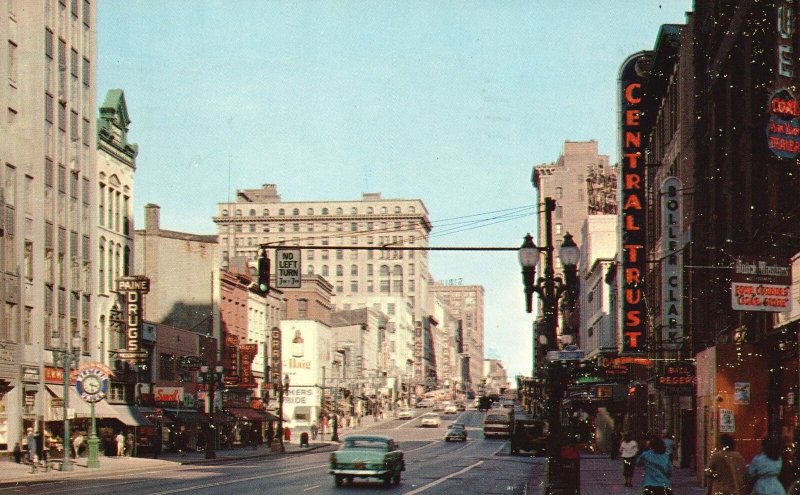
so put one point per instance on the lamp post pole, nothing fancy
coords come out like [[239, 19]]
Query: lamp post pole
[[66, 357], [211, 378], [282, 387], [550, 289]]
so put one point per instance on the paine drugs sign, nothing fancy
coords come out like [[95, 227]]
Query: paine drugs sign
[[287, 271]]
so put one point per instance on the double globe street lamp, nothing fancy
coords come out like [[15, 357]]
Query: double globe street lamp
[[551, 289], [65, 357]]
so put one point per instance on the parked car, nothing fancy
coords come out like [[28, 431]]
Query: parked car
[[456, 431], [405, 414], [438, 406], [431, 420], [425, 403], [450, 409], [367, 456], [528, 433]]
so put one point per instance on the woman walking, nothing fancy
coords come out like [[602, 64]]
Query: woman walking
[[765, 468], [657, 468], [726, 469], [628, 450]]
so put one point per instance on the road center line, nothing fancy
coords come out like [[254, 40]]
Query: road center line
[[441, 480], [310, 488]]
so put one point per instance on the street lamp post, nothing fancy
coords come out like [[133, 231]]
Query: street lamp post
[[65, 357], [551, 289], [282, 389], [211, 378]]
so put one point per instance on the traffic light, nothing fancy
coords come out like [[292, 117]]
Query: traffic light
[[263, 273]]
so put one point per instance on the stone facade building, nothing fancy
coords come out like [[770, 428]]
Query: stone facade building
[[49, 243]]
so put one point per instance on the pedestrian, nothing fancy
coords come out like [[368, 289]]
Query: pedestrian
[[33, 451], [120, 439], [614, 444], [155, 443], [287, 434], [657, 468], [726, 470], [669, 443], [129, 444], [314, 430], [77, 443], [765, 467], [270, 433], [17, 453], [628, 450]]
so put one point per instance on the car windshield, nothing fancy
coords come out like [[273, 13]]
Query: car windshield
[[366, 443], [497, 418]]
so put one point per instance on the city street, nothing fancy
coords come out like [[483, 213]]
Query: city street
[[432, 467]]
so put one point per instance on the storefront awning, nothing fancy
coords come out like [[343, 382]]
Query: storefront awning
[[186, 415], [246, 413], [102, 410], [130, 415]]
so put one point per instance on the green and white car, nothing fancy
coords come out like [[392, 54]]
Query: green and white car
[[367, 456]]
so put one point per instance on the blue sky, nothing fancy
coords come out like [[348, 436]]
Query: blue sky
[[451, 102]]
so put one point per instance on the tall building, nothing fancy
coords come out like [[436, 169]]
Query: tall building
[[116, 164], [465, 303], [393, 282], [49, 176], [582, 183]]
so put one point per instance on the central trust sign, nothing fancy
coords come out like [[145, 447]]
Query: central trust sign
[[633, 202]]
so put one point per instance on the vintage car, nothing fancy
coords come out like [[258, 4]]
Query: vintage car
[[405, 414], [367, 456], [528, 433], [450, 408], [425, 403], [430, 420], [456, 431]]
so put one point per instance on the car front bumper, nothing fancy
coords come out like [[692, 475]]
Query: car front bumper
[[362, 473]]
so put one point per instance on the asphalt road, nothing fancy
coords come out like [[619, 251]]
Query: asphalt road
[[433, 467]]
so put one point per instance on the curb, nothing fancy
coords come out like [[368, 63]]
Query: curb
[[252, 456]]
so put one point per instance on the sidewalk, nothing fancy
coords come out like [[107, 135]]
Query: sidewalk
[[14, 473], [602, 475]]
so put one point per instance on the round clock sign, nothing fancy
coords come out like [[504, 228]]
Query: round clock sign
[[92, 384]]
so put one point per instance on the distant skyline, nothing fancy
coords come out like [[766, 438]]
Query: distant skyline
[[451, 102]]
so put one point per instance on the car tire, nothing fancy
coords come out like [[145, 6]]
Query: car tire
[[338, 480]]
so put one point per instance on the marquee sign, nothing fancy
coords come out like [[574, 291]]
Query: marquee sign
[[783, 127], [760, 285], [275, 356], [132, 289], [672, 264], [633, 204]]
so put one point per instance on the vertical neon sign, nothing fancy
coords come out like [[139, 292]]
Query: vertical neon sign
[[632, 207]]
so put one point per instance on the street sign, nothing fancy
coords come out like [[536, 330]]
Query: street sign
[[287, 269], [565, 355]]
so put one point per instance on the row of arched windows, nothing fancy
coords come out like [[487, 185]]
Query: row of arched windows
[[324, 211]]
